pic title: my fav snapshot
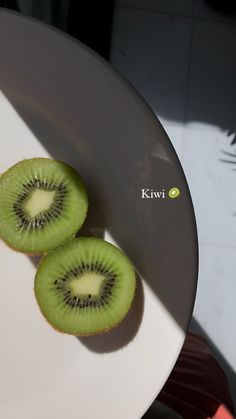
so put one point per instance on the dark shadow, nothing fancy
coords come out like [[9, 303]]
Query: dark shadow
[[186, 72], [226, 7], [229, 158], [168, 394], [195, 327], [81, 20], [159, 410], [124, 333], [35, 259], [88, 116], [94, 224]]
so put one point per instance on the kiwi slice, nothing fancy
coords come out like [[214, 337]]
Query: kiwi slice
[[85, 287], [43, 202]]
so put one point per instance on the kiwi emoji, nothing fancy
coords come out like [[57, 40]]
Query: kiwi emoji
[[43, 203], [85, 287]]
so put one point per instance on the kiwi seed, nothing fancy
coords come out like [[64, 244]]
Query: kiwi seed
[[89, 291], [43, 203]]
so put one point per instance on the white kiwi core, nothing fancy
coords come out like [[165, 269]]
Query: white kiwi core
[[88, 283], [39, 201]]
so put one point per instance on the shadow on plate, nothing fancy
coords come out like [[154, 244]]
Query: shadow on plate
[[35, 259], [88, 116], [124, 333]]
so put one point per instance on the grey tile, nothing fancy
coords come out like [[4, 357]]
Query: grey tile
[[182, 7], [215, 303], [203, 10], [175, 133], [212, 183], [152, 51], [212, 90]]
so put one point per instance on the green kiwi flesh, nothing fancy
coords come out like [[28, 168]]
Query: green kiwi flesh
[[85, 287], [43, 203]]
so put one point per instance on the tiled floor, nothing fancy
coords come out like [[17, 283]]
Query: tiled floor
[[181, 57], [152, 51], [211, 94], [212, 185], [215, 310], [183, 7]]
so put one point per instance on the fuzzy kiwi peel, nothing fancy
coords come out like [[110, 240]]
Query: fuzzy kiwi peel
[[85, 287], [43, 203]]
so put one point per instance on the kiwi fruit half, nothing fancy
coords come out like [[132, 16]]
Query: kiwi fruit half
[[85, 287], [43, 203]]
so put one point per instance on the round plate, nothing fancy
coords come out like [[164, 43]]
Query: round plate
[[60, 99]]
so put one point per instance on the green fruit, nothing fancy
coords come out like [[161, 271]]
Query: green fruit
[[174, 193], [85, 286], [43, 203]]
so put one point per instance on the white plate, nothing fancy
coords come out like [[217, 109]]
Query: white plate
[[60, 99]]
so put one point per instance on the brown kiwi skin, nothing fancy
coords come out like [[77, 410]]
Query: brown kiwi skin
[[100, 332], [73, 236]]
